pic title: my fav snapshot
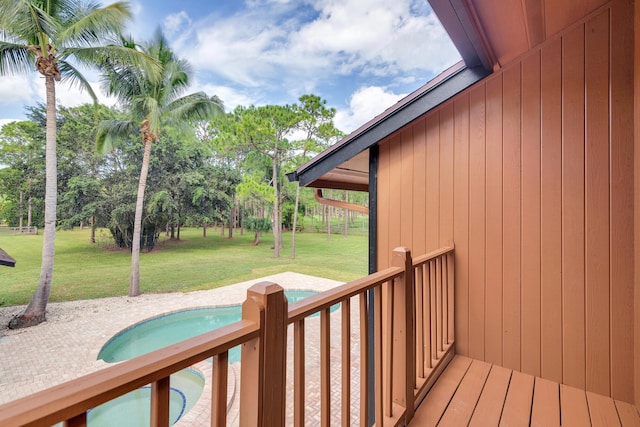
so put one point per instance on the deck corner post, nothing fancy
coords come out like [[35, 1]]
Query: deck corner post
[[262, 387], [404, 334]]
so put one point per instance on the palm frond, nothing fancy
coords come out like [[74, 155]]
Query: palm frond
[[195, 106], [112, 132], [27, 21], [177, 75], [88, 26], [74, 77], [117, 56], [15, 59]]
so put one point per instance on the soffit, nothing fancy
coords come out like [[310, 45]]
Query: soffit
[[488, 34], [511, 28]]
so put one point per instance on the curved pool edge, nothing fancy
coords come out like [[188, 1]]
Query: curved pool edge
[[200, 412]]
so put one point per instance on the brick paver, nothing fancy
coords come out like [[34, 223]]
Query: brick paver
[[66, 346]]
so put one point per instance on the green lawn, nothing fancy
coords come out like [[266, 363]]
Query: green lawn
[[85, 271]]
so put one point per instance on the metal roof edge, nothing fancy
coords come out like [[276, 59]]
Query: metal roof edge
[[404, 112]]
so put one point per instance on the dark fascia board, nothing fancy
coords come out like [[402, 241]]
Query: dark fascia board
[[387, 124], [464, 31]]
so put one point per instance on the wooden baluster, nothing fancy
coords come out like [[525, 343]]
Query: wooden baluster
[[219, 390], [387, 358], [77, 421], [445, 301], [325, 368], [298, 374], [346, 363], [419, 337], [160, 402], [434, 312], [365, 357], [377, 332], [451, 289], [439, 310], [428, 352]]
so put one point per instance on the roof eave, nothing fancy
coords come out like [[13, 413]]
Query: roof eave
[[386, 124]]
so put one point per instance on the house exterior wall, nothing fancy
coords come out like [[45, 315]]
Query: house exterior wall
[[530, 173], [637, 197]]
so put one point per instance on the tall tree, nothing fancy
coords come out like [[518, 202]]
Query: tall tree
[[151, 101], [262, 131], [316, 121], [57, 35], [22, 152]]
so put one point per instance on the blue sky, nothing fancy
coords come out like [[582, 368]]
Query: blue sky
[[360, 55]]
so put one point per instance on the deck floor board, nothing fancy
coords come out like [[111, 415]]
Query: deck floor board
[[628, 413], [466, 397], [442, 392], [546, 403], [575, 411], [489, 408], [475, 393]]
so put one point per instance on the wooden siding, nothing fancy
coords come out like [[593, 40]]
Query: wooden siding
[[530, 173], [636, 198]]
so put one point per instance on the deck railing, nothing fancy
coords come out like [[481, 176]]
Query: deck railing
[[413, 339]]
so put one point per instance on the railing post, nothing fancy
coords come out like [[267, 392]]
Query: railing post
[[160, 391], [404, 366], [262, 387]]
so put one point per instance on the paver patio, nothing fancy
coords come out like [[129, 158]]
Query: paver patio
[[67, 345]]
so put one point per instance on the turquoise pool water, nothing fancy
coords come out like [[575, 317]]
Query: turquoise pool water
[[186, 386], [134, 408], [168, 329]]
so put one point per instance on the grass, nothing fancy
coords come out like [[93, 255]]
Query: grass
[[86, 271]]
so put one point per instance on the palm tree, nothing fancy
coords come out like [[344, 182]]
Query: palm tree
[[151, 103], [55, 36]]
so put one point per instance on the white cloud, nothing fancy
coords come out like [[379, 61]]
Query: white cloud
[[19, 89], [364, 105], [268, 42], [7, 121], [72, 96], [230, 96], [381, 36], [176, 21]]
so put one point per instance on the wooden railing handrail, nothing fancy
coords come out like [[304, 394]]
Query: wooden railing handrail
[[413, 336], [316, 303], [432, 255], [67, 400]]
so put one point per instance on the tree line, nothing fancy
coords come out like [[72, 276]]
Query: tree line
[[161, 159]]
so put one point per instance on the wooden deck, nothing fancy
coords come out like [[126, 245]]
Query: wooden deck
[[475, 393]]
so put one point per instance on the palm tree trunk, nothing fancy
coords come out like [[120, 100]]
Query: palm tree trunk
[[35, 312], [134, 284]]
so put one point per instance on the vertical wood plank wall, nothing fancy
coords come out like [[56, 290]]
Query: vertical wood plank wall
[[531, 174], [636, 197]]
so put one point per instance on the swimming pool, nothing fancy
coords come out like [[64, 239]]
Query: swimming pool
[[134, 408], [161, 331], [156, 333], [186, 389]]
